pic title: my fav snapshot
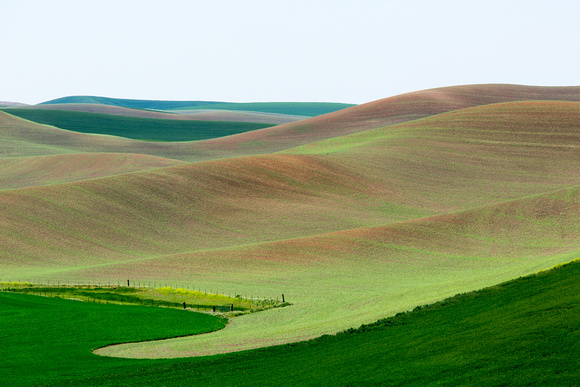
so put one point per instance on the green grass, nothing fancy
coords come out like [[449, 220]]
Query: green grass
[[167, 297], [308, 109], [522, 332], [137, 128], [48, 340]]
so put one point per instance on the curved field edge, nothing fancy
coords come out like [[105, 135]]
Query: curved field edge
[[198, 114], [521, 332], [403, 172], [354, 277], [137, 128], [28, 140], [47, 340]]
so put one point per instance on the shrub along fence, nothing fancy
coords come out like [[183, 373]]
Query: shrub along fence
[[136, 293]]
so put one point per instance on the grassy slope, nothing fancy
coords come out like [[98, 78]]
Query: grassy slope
[[135, 127], [200, 114], [399, 175], [129, 225], [20, 172], [22, 139], [353, 277], [48, 340], [523, 332]]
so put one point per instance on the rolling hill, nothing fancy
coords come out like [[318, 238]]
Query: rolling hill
[[199, 114], [149, 129], [388, 111], [288, 108], [128, 103], [366, 218], [21, 172]]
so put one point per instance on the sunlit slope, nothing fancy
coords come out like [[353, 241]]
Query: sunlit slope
[[200, 114], [467, 157], [454, 161], [339, 280], [20, 172], [195, 206], [388, 111], [22, 140], [138, 128]]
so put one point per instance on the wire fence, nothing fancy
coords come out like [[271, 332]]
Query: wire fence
[[118, 292]]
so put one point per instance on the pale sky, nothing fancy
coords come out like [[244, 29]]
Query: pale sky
[[268, 50]]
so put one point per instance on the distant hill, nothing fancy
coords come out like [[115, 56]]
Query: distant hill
[[372, 115], [198, 114], [152, 129], [309, 109], [129, 103], [376, 209], [11, 104]]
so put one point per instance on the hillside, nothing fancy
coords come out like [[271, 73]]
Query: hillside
[[400, 173], [21, 172], [384, 112], [306, 109], [360, 118], [288, 108], [374, 223], [524, 330], [149, 129], [199, 114], [128, 103]]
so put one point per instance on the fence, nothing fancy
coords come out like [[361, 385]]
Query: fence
[[111, 293]]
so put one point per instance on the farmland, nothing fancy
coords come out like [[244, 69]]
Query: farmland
[[151, 129], [524, 330], [289, 108], [354, 216]]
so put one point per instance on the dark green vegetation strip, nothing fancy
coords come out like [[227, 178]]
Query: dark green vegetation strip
[[524, 332], [48, 340], [129, 103], [309, 109], [151, 129]]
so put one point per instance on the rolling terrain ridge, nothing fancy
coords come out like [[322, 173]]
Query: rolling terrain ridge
[[23, 138], [354, 215]]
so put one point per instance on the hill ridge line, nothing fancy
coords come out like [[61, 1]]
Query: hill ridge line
[[325, 234]]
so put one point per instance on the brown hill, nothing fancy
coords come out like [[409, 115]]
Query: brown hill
[[360, 118], [450, 162], [20, 172], [384, 112]]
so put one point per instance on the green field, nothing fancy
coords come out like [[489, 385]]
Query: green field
[[354, 216], [309, 109], [521, 332], [149, 129], [48, 340]]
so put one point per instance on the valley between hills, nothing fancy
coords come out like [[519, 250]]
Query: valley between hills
[[354, 215]]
